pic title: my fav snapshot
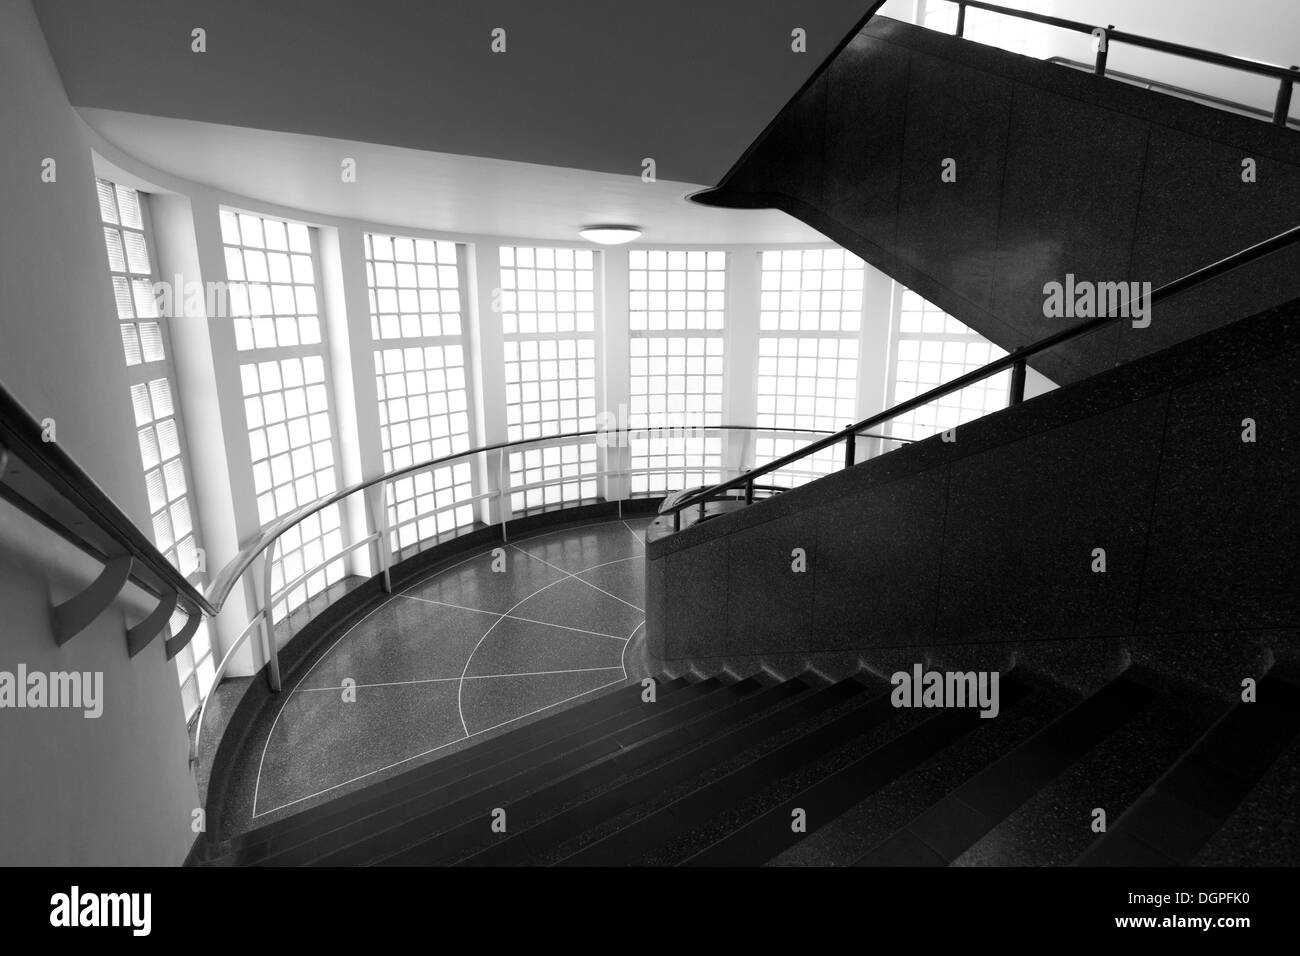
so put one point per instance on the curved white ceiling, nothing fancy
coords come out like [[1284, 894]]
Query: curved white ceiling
[[437, 191]]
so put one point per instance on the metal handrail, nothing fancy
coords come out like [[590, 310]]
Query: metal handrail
[[261, 545], [1181, 92], [224, 582], [257, 623], [1287, 75], [1015, 360], [88, 509]]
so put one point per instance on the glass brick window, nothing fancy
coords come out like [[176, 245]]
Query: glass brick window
[[548, 313], [676, 310], [273, 300], [810, 317], [421, 373], [934, 348], [146, 347]]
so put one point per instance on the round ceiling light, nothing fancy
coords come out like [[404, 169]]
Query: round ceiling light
[[610, 235]]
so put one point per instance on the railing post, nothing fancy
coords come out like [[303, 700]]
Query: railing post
[[677, 520], [1103, 49], [749, 492], [384, 546], [503, 500], [1017, 383], [850, 449], [268, 622], [1282, 108], [961, 20]]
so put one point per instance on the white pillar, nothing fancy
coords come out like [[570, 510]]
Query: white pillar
[[613, 369], [220, 456], [740, 406], [879, 318], [346, 315], [487, 356]]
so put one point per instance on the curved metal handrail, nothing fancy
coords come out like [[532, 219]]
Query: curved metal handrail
[[1015, 360], [265, 539], [224, 581]]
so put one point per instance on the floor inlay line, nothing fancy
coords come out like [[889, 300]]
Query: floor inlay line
[[464, 676], [447, 680], [515, 617], [572, 574]]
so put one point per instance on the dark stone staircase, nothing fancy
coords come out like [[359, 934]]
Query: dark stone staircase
[[714, 773]]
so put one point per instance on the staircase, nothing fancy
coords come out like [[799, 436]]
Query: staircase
[[718, 772]]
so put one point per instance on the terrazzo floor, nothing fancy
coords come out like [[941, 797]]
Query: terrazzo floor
[[502, 635]]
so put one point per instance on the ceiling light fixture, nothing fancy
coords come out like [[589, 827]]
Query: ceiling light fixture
[[610, 235]]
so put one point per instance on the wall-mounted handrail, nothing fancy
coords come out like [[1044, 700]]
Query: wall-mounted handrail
[[1287, 76], [43, 480], [1011, 360]]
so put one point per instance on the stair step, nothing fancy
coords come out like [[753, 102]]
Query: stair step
[[950, 827], [1054, 826], [433, 785], [533, 844], [270, 837], [1264, 830], [763, 838], [457, 828], [840, 841], [425, 796], [1179, 814]]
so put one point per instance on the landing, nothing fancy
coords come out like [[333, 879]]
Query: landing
[[478, 646]]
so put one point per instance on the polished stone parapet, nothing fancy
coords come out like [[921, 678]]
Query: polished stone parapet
[[1057, 172], [990, 542]]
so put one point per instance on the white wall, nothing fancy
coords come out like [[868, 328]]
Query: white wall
[[57, 313], [116, 789]]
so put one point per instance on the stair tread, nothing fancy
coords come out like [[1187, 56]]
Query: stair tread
[[539, 814], [1182, 810], [843, 839], [769, 834], [467, 817], [965, 815], [376, 793], [1264, 829], [1055, 825], [433, 790], [542, 843]]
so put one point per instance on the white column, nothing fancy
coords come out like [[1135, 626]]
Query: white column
[[614, 367], [487, 356], [196, 386], [221, 458], [879, 318], [740, 406], [346, 314]]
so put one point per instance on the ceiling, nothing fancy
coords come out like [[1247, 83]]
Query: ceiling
[[583, 84], [427, 190]]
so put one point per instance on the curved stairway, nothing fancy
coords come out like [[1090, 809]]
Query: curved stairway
[[721, 772]]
